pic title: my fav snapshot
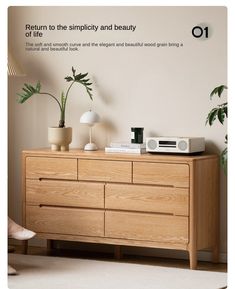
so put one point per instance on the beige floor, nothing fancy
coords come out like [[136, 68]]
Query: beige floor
[[176, 263], [52, 272]]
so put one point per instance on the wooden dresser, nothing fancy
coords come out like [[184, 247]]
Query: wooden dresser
[[159, 201]]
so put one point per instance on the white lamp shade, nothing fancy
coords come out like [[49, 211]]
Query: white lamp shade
[[90, 118]]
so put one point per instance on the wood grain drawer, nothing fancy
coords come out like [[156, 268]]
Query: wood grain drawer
[[65, 193], [148, 227], [176, 175], [55, 168], [105, 170], [60, 220], [147, 198]]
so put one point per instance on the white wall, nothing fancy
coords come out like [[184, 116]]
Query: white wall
[[165, 90]]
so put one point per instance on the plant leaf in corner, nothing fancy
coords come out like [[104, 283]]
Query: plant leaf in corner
[[74, 71], [220, 115], [212, 116], [218, 90], [214, 91], [38, 86], [80, 76], [68, 78]]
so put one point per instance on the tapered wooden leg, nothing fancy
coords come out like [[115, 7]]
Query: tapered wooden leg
[[25, 247], [11, 249], [117, 252], [49, 245], [193, 258], [215, 253]]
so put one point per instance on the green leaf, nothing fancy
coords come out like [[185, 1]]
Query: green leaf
[[224, 160], [220, 115], [212, 116], [90, 94], [77, 77], [225, 110], [214, 91], [29, 87], [218, 90], [32, 88], [221, 89], [74, 71], [83, 75], [38, 86], [68, 78], [26, 90], [226, 139], [80, 76], [29, 91]]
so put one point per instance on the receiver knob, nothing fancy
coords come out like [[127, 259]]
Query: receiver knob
[[152, 144], [182, 145]]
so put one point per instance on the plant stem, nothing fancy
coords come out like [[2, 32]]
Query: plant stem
[[61, 122], [62, 118], [66, 95], [52, 97]]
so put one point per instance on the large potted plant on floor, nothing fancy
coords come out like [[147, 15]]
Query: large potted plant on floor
[[219, 112], [59, 137]]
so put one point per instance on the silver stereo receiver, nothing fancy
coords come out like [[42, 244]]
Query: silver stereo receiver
[[184, 145]]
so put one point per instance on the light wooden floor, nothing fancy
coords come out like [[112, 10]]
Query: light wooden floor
[[220, 267]]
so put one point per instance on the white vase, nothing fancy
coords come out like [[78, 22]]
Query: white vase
[[59, 138]]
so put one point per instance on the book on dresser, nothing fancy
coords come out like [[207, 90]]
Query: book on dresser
[[125, 150], [126, 147]]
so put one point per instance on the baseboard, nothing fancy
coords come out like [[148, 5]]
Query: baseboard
[[139, 251]]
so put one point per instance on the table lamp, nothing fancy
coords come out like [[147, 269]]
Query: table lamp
[[90, 118]]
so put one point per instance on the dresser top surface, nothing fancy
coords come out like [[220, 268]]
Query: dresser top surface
[[100, 154]]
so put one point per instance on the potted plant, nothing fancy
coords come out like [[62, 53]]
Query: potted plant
[[219, 112], [59, 137]]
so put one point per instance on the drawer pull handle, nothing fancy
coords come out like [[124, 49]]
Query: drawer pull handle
[[49, 179], [52, 207], [58, 207], [155, 185], [57, 180], [141, 212]]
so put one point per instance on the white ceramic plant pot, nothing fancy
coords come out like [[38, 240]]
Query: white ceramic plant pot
[[59, 138]]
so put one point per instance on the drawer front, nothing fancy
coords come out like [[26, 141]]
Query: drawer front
[[176, 175], [148, 227], [55, 168], [65, 193], [102, 170], [147, 199], [60, 220]]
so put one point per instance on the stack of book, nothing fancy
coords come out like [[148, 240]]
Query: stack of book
[[126, 147]]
